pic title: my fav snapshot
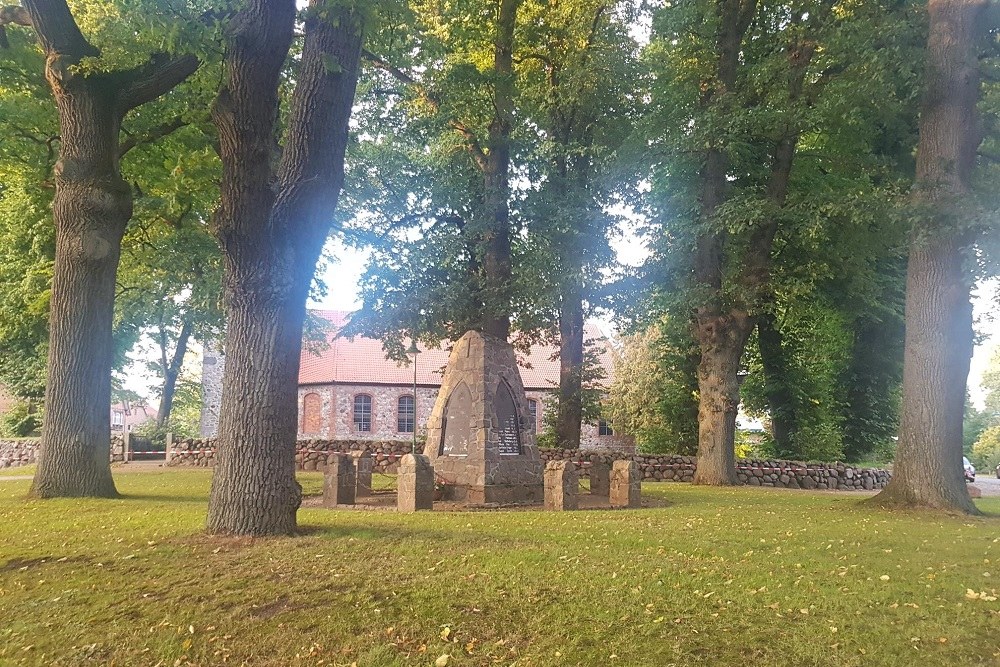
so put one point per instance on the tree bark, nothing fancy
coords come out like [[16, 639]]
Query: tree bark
[[722, 328], [571, 343], [171, 371], [722, 340], [939, 339], [497, 269], [272, 226], [91, 208], [715, 329]]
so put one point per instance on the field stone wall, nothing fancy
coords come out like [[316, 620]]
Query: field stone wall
[[311, 455], [16, 453], [751, 472]]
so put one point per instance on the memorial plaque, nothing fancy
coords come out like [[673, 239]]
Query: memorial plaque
[[456, 426], [509, 435]]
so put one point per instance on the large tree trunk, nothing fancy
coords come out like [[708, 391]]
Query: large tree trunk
[[779, 399], [939, 340], [272, 228], [171, 371], [722, 329], [722, 340], [717, 331], [570, 408], [92, 205], [254, 490]]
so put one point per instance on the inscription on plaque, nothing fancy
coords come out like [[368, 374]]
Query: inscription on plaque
[[456, 425], [509, 437]]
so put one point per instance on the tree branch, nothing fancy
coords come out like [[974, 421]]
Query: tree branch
[[472, 144], [471, 141], [154, 134], [382, 64], [160, 75], [12, 15], [57, 30]]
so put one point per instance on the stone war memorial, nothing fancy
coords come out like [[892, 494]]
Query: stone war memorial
[[479, 435]]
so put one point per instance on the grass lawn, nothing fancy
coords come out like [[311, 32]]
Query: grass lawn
[[741, 576]]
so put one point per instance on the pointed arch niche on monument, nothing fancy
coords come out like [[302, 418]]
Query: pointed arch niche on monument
[[456, 423], [507, 421]]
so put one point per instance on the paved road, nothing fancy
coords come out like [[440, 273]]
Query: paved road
[[989, 485]]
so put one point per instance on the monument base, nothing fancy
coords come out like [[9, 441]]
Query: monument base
[[503, 494]]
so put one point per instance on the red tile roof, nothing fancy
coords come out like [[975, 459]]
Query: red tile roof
[[362, 361]]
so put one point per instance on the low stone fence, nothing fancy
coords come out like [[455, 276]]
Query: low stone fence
[[16, 453], [752, 472], [311, 455]]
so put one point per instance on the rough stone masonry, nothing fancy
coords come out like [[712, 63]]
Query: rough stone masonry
[[561, 484], [415, 484], [480, 439]]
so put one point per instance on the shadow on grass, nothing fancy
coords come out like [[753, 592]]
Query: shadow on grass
[[165, 498], [371, 532]]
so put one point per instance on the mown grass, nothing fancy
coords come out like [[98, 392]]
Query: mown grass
[[719, 577]]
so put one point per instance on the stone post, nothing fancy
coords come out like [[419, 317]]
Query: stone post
[[363, 469], [561, 484], [415, 484], [167, 447], [127, 446], [600, 480], [340, 480], [625, 484]]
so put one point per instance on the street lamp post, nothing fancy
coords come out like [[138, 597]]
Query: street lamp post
[[414, 351]]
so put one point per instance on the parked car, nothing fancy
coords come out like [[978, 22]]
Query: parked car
[[970, 470]]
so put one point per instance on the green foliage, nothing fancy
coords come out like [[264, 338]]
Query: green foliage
[[27, 249], [169, 268], [418, 193], [654, 393], [23, 419], [834, 284], [985, 453]]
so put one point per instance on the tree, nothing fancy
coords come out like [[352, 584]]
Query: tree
[[445, 261], [580, 82], [749, 131], [170, 274], [91, 207], [732, 257], [275, 214], [939, 339], [653, 396]]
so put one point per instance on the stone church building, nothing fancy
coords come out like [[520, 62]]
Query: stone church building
[[350, 391]]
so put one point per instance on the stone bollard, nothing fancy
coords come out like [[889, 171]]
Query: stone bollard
[[415, 484], [126, 446], [600, 479], [625, 484], [340, 481], [561, 483], [167, 447], [363, 469]]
